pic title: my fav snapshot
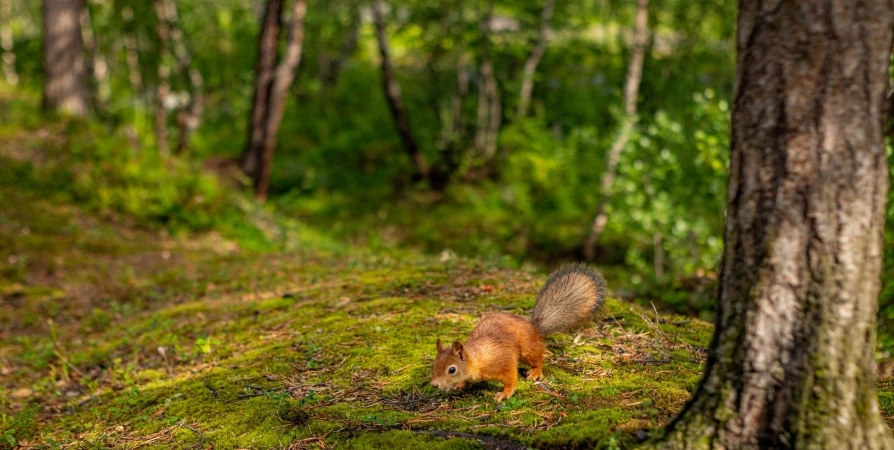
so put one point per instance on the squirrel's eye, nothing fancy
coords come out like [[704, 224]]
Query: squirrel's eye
[[451, 370]]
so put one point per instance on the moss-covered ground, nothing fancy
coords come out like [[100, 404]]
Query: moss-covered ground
[[115, 335]]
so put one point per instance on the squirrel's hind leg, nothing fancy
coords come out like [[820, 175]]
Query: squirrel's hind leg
[[532, 355]]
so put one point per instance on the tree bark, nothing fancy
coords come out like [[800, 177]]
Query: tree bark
[[63, 57], [792, 359], [631, 93], [283, 77], [95, 62], [395, 102], [489, 107], [6, 43], [527, 86], [265, 68]]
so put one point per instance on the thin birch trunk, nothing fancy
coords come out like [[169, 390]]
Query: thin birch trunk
[[527, 86], [163, 88], [132, 55], [631, 92], [489, 106]]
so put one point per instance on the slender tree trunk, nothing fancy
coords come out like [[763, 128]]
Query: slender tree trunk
[[658, 255], [190, 115], [792, 360], [63, 58], [132, 54], [453, 125], [489, 106], [94, 63], [265, 69], [527, 87], [395, 102], [163, 88], [631, 93], [332, 68], [285, 73], [6, 43]]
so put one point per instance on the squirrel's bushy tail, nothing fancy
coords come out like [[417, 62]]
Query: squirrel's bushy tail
[[571, 297]]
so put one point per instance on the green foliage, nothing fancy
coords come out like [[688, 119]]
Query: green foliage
[[94, 165], [17, 427]]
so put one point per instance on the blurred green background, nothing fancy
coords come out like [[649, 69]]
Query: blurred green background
[[339, 165]]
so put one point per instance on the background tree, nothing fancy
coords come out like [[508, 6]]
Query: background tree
[[8, 56], [163, 86], [271, 89], [527, 86], [63, 58], [792, 361], [490, 109], [265, 67], [393, 96], [631, 95]]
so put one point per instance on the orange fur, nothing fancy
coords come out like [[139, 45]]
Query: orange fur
[[501, 341], [492, 352]]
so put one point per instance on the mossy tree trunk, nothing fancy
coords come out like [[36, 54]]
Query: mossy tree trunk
[[792, 360]]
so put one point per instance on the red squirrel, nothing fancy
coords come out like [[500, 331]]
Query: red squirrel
[[571, 298]]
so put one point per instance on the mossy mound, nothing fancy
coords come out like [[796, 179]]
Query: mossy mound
[[121, 338], [117, 336]]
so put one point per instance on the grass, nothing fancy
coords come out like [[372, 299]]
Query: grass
[[116, 336], [115, 333]]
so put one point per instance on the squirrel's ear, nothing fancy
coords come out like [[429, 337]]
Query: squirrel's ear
[[440, 346], [458, 350]]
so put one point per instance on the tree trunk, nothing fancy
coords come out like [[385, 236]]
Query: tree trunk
[[63, 58], [631, 92], [6, 43], [453, 128], [332, 68], [284, 75], [792, 359], [132, 54], [395, 102], [190, 115], [163, 88], [658, 255], [94, 63], [489, 107], [527, 87], [265, 68]]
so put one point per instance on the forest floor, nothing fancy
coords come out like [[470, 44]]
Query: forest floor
[[116, 336]]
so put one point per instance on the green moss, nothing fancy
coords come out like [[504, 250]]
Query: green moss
[[163, 340]]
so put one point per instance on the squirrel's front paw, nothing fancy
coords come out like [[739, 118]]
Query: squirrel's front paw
[[501, 396]]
